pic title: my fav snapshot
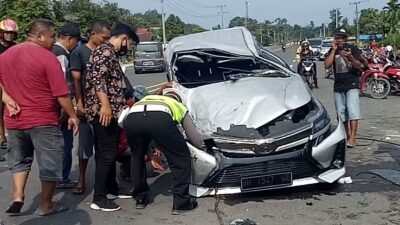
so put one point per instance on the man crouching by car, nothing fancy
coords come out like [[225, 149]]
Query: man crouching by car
[[347, 66], [156, 118]]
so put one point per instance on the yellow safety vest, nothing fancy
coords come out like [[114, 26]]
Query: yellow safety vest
[[178, 109]]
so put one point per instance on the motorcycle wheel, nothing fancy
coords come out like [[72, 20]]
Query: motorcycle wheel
[[379, 88], [310, 81]]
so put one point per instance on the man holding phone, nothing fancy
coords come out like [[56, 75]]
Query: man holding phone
[[347, 65]]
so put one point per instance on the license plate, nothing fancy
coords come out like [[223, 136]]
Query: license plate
[[266, 182], [148, 63]]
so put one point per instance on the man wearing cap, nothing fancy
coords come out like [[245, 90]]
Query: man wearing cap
[[347, 65], [68, 37]]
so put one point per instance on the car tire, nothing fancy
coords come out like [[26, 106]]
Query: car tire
[[137, 71]]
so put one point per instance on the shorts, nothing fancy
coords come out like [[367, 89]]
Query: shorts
[[46, 142], [348, 104], [84, 140]]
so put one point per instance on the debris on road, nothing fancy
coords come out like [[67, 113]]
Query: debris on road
[[345, 180], [243, 222]]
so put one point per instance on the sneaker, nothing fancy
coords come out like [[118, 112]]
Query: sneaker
[[185, 209], [142, 203], [105, 206]]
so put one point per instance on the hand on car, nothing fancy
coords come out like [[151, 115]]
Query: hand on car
[[105, 115]]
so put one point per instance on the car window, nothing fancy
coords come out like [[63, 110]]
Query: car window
[[314, 42], [147, 48], [326, 44]]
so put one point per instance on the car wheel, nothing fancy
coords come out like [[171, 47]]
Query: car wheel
[[137, 71]]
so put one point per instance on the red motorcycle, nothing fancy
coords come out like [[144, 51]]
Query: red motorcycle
[[374, 81], [392, 70]]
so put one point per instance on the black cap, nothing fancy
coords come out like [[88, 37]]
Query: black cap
[[70, 30], [341, 32]]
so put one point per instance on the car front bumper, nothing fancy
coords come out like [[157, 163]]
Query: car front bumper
[[308, 165]]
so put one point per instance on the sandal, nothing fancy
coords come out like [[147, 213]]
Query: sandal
[[3, 145], [78, 190], [15, 208]]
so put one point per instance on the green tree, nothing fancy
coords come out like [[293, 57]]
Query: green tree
[[393, 13], [174, 27], [25, 11]]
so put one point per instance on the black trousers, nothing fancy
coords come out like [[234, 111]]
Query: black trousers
[[141, 129], [106, 141]]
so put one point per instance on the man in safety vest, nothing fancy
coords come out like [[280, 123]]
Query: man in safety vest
[[155, 118]]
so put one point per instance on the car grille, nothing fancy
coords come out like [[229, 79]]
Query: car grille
[[231, 176]]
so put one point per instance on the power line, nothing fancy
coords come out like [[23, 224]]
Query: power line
[[179, 5], [174, 7], [196, 4]]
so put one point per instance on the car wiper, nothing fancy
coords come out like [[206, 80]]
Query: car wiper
[[238, 76]]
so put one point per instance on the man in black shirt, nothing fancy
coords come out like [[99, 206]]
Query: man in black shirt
[[347, 65], [79, 59]]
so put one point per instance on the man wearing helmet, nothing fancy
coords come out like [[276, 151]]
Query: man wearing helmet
[[8, 34]]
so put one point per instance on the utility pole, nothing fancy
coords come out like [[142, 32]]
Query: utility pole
[[261, 33], [274, 37], [222, 12], [324, 30], [247, 13], [358, 20], [337, 18], [163, 23]]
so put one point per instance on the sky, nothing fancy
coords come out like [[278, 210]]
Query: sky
[[206, 14]]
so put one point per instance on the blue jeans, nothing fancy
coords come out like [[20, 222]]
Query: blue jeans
[[348, 104], [68, 143]]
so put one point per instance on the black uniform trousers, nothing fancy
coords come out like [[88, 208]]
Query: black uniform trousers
[[143, 127], [106, 141]]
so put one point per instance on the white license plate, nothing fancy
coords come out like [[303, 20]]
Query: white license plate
[[148, 63]]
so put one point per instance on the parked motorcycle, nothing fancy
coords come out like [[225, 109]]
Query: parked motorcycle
[[374, 81], [307, 70], [392, 70]]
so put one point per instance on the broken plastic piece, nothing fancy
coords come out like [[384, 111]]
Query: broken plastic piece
[[243, 222], [345, 180]]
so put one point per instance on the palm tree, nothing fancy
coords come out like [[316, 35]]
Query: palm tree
[[393, 12]]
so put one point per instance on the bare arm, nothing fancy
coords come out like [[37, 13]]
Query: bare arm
[[76, 74], [11, 105], [66, 103], [192, 132], [329, 60]]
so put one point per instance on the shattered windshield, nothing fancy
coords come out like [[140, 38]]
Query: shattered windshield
[[202, 68]]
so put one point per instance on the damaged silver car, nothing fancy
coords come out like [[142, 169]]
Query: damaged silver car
[[262, 125]]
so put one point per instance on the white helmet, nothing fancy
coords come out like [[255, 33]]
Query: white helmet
[[389, 48]]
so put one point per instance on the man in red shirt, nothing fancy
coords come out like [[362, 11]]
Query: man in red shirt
[[37, 84]]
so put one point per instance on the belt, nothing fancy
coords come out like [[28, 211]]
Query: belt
[[150, 108]]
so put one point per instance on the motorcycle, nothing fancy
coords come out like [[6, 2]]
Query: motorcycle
[[374, 81], [392, 70], [307, 70], [283, 48]]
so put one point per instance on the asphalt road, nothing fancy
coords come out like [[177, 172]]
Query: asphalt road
[[368, 200]]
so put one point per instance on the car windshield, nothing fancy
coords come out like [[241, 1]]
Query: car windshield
[[314, 42], [147, 48], [326, 44]]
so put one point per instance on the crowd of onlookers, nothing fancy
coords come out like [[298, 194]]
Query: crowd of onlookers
[[61, 94]]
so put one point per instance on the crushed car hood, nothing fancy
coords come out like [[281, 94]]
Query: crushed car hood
[[252, 102]]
